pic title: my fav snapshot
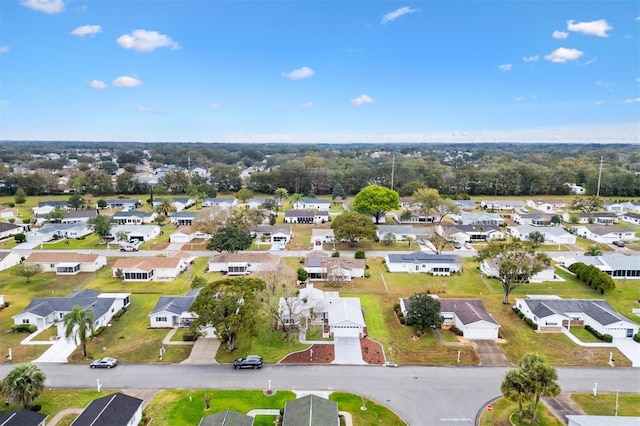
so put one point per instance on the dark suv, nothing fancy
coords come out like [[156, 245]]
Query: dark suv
[[250, 361], [618, 243]]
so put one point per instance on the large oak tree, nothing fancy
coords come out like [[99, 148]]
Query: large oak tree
[[376, 200]]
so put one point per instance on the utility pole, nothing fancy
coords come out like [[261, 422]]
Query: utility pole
[[393, 169], [599, 177], [189, 167]]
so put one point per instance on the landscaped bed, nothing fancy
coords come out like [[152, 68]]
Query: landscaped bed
[[372, 353]]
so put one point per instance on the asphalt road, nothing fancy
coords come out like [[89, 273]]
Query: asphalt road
[[420, 395]]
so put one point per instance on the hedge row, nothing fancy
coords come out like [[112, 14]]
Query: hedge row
[[593, 277], [398, 312], [604, 337], [24, 328], [524, 318], [636, 338]]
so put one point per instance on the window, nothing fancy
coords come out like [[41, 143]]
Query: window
[[161, 319], [26, 321]]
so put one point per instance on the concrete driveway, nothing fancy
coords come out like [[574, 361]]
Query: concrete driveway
[[347, 351], [490, 354]]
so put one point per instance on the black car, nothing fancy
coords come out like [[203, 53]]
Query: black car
[[250, 361], [618, 243]]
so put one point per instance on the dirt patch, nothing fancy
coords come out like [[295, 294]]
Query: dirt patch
[[372, 353]]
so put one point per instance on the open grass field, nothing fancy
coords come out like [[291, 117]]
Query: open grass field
[[604, 404], [505, 413]]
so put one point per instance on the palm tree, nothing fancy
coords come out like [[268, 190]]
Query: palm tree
[[295, 198], [281, 194], [23, 384], [516, 388], [541, 377], [121, 236], [79, 324], [593, 250], [166, 206]]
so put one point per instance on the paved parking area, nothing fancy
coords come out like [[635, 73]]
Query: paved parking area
[[347, 350], [490, 354]]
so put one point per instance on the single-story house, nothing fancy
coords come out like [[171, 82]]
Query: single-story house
[[407, 203], [46, 311], [587, 420], [276, 235], [256, 203], [7, 212], [606, 234], [133, 217], [481, 218], [113, 410], [631, 206], [613, 207], [320, 236], [598, 218], [552, 234], [226, 418], [173, 311], [465, 204], [413, 216], [533, 219], [9, 259], [243, 263], [222, 203], [48, 206], [312, 204], [22, 417], [490, 268], [306, 216], [183, 218], [62, 230], [512, 205], [186, 234], [68, 263], [149, 268], [552, 313], [435, 264], [123, 203], [547, 205], [470, 233], [10, 229], [402, 232], [78, 216], [467, 315], [311, 304], [345, 318], [310, 410], [321, 267], [180, 203], [136, 232], [633, 218], [617, 265]]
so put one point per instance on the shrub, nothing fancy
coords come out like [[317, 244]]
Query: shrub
[[384, 262], [402, 320], [189, 336], [335, 254], [359, 254], [607, 338], [367, 274], [20, 237], [117, 315], [24, 328], [98, 331], [636, 338], [397, 310], [455, 330]]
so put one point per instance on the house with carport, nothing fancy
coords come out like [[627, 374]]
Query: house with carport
[[479, 218], [174, 311], [467, 315], [533, 219], [183, 218], [421, 262], [551, 234], [547, 205], [143, 233], [79, 216], [243, 263], [10, 229], [467, 205], [552, 313], [68, 263], [403, 232], [511, 205], [44, 312]]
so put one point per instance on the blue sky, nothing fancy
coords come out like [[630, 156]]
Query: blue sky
[[320, 71]]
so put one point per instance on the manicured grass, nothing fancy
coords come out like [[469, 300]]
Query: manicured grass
[[584, 335], [91, 241], [55, 400], [269, 343], [505, 413], [604, 404], [46, 335], [187, 407], [375, 414], [585, 244]]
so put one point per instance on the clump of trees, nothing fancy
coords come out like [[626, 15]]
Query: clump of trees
[[593, 277], [353, 227], [423, 313], [527, 384]]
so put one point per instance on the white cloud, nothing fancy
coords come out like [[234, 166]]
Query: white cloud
[[560, 34], [213, 106], [97, 84], [146, 41], [504, 67], [591, 61], [638, 79], [299, 73], [87, 30], [599, 102], [4, 49], [519, 99], [631, 101], [602, 83], [531, 58], [597, 28], [363, 99], [46, 6], [126, 81], [391, 16], [563, 54], [306, 104], [148, 109]]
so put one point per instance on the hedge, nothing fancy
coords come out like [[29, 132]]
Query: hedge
[[527, 320], [636, 338], [604, 337], [24, 328]]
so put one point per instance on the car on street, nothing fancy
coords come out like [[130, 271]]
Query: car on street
[[106, 362], [130, 246], [618, 243], [250, 361]]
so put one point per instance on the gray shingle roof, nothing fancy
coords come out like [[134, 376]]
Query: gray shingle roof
[[227, 418], [467, 310], [112, 410], [43, 306], [305, 213], [5, 226], [129, 213], [183, 215], [599, 310], [310, 410], [176, 304], [419, 257], [22, 417]]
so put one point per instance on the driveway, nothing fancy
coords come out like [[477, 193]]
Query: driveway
[[490, 354], [347, 351]]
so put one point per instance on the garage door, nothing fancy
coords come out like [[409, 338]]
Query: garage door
[[481, 333], [179, 239]]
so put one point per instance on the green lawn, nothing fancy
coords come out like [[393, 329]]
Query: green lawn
[[55, 400], [375, 414], [505, 413], [583, 335], [604, 404], [268, 343]]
